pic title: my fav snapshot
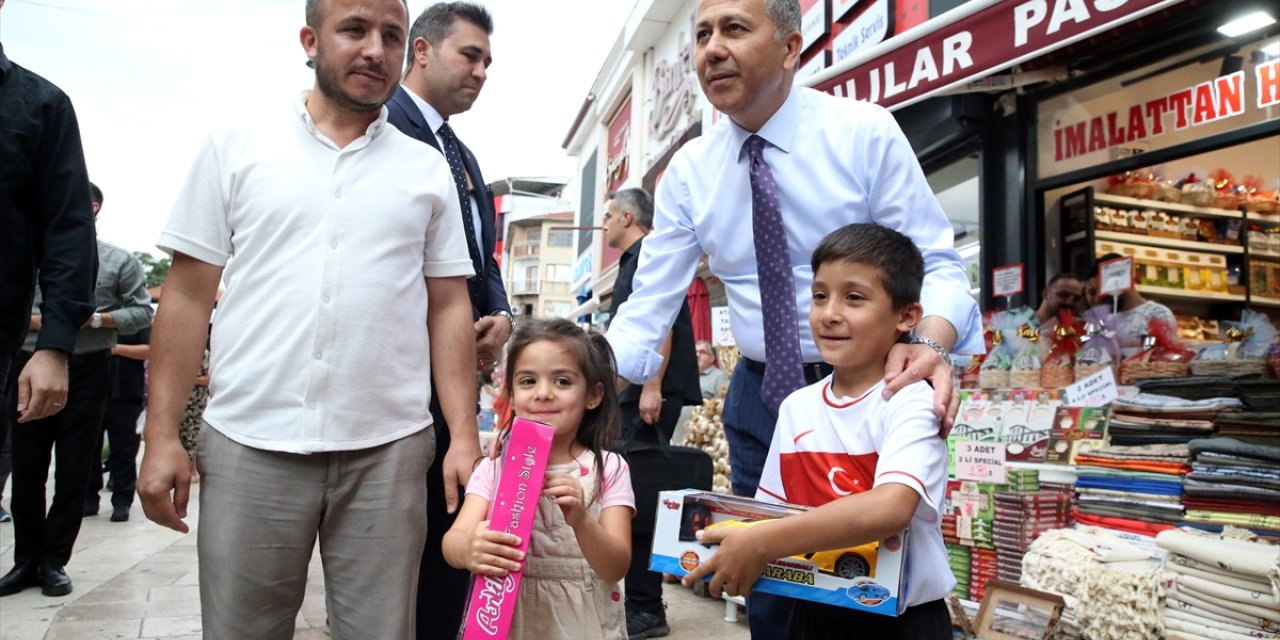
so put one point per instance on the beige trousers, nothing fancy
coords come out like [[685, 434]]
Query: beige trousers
[[261, 513]]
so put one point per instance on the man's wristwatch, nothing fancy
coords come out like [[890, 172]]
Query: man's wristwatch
[[96, 321], [932, 344], [505, 314]]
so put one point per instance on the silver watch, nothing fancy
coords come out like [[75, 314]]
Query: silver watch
[[96, 321], [505, 314], [932, 344]]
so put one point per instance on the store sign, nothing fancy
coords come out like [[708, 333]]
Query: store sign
[[980, 461], [972, 41], [1206, 102], [813, 22], [1007, 280], [867, 30], [672, 106], [721, 333], [619, 147], [1115, 276], [818, 62]]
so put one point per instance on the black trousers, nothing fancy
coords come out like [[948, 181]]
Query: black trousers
[[644, 587], [71, 434], [442, 590], [815, 621], [120, 426]]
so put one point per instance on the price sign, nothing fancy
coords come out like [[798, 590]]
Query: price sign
[[1007, 280], [1098, 390], [721, 334], [980, 461], [1115, 276]]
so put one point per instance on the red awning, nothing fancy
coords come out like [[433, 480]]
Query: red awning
[[974, 40]]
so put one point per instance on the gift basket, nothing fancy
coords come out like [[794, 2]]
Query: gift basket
[[1197, 191], [993, 373], [1132, 184], [1063, 335], [1226, 195], [1256, 198], [1164, 357], [1027, 361], [1244, 353]]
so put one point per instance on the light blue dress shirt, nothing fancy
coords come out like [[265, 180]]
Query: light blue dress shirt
[[837, 161]]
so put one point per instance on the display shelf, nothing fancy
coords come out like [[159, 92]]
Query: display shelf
[[1106, 198], [1190, 294], [1157, 241], [1263, 254], [1262, 301], [1264, 218]]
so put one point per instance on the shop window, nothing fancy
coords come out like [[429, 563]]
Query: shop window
[[956, 187]]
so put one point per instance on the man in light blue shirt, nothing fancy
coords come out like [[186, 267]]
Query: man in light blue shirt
[[835, 162]]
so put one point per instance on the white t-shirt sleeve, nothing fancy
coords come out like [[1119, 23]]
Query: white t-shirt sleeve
[[911, 451], [198, 225], [446, 254], [771, 488]]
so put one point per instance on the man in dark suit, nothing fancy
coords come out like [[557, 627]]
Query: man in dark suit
[[445, 70]]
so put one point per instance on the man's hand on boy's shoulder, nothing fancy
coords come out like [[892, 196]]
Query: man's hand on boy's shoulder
[[910, 363], [737, 564]]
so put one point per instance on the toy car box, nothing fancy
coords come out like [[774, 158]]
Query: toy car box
[[867, 577]]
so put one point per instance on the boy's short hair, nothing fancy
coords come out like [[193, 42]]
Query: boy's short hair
[[895, 255]]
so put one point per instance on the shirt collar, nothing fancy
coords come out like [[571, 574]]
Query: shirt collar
[[300, 108], [434, 119], [779, 130], [633, 249]]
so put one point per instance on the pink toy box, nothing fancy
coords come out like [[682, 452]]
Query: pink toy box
[[524, 463]]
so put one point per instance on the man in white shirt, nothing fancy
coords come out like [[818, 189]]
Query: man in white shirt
[[448, 60], [828, 162], [345, 272]]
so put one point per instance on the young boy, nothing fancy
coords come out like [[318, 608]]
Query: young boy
[[870, 466]]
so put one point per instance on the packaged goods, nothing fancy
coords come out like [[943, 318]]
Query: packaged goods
[[1197, 192], [1132, 184], [1007, 342], [1099, 349], [1058, 368], [1165, 358], [524, 463]]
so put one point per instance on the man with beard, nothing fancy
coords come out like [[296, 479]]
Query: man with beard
[[1064, 291], [334, 230], [448, 57]]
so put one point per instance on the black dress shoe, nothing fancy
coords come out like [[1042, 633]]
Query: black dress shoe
[[20, 577], [90, 509], [120, 514], [54, 580]]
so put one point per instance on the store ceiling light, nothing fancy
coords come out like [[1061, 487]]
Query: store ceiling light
[[1272, 50], [1245, 24]]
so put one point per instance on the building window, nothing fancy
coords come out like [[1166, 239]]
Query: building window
[[556, 308], [560, 272], [560, 238]]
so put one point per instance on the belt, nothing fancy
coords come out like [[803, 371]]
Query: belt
[[813, 371]]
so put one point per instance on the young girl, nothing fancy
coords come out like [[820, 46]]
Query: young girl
[[580, 547]]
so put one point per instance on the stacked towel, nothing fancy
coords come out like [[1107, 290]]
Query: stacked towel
[[1111, 587], [1133, 488], [1220, 586], [1156, 419], [1233, 483]]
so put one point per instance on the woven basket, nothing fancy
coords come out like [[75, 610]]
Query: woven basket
[[1141, 190], [1262, 205], [1167, 193], [1142, 368], [1198, 197], [1226, 201], [1229, 367], [1057, 377]]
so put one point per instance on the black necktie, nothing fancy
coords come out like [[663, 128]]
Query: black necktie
[[453, 155]]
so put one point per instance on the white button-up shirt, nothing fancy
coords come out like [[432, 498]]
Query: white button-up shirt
[[320, 341], [836, 162]]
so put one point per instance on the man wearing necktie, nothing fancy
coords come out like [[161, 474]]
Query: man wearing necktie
[[756, 193], [445, 70]]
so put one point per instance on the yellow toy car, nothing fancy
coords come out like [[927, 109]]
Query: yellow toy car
[[848, 563]]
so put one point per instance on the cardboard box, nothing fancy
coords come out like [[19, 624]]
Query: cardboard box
[[872, 583], [492, 601]]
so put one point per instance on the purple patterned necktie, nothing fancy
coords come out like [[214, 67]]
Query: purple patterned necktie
[[784, 373]]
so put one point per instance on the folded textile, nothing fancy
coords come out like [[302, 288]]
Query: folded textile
[[1180, 423], [1236, 448], [1267, 616], [1128, 525], [1155, 401], [1225, 552], [1154, 451], [1136, 439], [1136, 513], [1149, 466], [1174, 563], [1199, 629], [1249, 520], [1122, 501], [1228, 505], [1257, 478], [1152, 497], [1234, 619], [1128, 484], [1218, 591], [1226, 609], [1191, 486], [1228, 460]]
